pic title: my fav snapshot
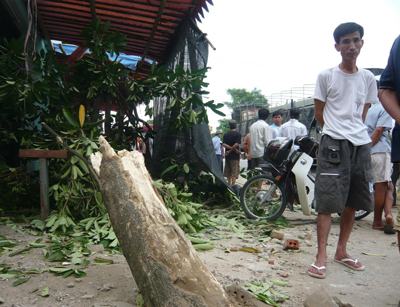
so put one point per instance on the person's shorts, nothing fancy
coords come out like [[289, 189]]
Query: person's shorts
[[232, 168], [344, 176], [381, 167]]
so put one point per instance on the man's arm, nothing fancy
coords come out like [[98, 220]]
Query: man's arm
[[367, 105], [390, 102], [246, 144], [226, 146], [235, 148], [319, 111], [376, 135]]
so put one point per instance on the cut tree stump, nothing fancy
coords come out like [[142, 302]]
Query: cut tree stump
[[163, 262]]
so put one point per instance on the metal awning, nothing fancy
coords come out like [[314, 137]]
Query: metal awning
[[149, 25]]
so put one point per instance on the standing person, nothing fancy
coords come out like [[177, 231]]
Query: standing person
[[218, 148], [231, 143], [379, 124], [389, 95], [276, 123], [343, 181], [293, 127], [246, 149], [260, 136]]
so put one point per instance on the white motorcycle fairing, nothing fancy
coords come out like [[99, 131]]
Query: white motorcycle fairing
[[305, 187]]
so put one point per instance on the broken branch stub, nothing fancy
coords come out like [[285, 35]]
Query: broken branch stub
[[163, 262]]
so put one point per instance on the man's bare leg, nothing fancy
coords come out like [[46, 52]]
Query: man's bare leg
[[324, 222], [346, 226], [379, 197], [388, 203], [323, 229]]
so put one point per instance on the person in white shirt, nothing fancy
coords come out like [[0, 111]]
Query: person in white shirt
[[260, 136], [276, 123], [293, 127], [343, 182], [218, 148]]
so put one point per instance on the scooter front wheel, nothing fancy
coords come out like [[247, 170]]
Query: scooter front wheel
[[262, 198]]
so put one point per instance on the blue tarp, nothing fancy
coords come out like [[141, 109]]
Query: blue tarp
[[129, 61]]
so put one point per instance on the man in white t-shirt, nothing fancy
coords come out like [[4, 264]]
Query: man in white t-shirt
[[293, 127], [344, 181], [218, 148], [260, 136]]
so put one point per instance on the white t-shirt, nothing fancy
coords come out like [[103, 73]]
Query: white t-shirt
[[260, 135], [293, 128], [217, 144], [344, 96]]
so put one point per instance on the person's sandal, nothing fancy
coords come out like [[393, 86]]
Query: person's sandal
[[388, 229], [351, 263], [320, 271]]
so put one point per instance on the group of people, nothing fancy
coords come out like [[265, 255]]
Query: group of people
[[254, 142], [354, 163]]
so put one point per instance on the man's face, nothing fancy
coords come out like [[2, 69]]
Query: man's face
[[349, 46], [277, 119]]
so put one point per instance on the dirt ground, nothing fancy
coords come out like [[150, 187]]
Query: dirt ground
[[113, 285]]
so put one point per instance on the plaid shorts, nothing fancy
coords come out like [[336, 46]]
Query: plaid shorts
[[344, 176], [232, 168]]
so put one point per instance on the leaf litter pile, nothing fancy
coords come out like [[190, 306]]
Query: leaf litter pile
[[70, 251]]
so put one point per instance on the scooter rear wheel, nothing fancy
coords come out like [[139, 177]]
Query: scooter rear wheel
[[262, 198], [360, 214]]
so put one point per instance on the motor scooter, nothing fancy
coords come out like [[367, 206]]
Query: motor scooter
[[285, 179]]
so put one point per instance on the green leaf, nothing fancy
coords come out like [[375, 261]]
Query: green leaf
[[103, 260], [7, 243], [59, 271], [186, 168], [74, 172], [182, 219], [39, 224], [51, 220], [168, 169], [44, 292], [20, 280], [8, 275], [203, 246], [70, 119]]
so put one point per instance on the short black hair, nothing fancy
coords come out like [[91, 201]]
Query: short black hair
[[347, 28], [263, 114], [294, 113], [232, 124], [277, 112]]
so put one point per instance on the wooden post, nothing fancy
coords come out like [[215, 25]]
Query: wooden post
[[44, 189], [43, 155]]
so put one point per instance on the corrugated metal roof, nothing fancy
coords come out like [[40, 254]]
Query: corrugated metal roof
[[149, 25]]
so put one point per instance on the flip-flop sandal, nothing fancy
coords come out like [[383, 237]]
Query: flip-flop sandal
[[388, 229], [351, 263], [321, 271]]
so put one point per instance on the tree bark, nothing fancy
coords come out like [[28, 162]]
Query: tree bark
[[163, 262]]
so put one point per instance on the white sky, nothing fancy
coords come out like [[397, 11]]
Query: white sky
[[280, 44]]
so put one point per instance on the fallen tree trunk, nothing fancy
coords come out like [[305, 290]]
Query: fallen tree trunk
[[163, 262]]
